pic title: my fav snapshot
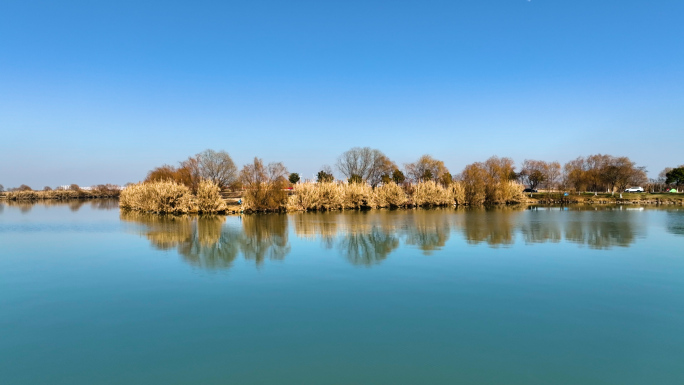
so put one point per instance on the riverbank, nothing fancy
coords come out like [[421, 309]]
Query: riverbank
[[605, 198], [60, 195]]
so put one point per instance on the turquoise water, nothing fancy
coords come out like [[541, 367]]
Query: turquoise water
[[89, 295]]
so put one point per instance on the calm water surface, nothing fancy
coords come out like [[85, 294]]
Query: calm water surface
[[91, 295]]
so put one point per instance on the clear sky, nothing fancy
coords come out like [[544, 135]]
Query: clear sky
[[102, 91]]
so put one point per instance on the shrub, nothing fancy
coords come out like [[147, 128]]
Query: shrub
[[22, 195], [324, 176], [355, 178], [265, 186], [265, 197], [107, 190]]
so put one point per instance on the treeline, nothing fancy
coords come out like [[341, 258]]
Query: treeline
[[369, 179]]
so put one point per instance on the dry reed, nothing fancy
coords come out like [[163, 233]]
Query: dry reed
[[208, 199], [430, 193], [305, 197], [390, 195], [165, 197], [357, 195], [457, 191], [168, 197]]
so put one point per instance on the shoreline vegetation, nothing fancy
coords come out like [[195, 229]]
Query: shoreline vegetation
[[171, 198], [210, 183], [98, 192], [371, 181]]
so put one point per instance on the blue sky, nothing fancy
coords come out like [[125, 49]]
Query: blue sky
[[101, 92]]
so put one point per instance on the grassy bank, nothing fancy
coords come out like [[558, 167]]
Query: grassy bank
[[61, 194], [606, 198]]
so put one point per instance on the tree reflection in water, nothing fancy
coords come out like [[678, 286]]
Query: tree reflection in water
[[72, 204], [495, 226], [23, 206], [536, 231], [601, 229], [205, 242], [368, 248], [265, 235], [104, 204], [429, 230], [317, 225], [210, 245], [368, 238], [675, 222]]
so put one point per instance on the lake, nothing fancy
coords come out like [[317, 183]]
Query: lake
[[590, 295]]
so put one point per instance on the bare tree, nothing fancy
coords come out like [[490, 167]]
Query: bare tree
[[538, 173], [534, 173], [162, 173], [553, 175], [603, 173], [264, 185], [367, 163], [425, 168], [382, 165], [256, 172], [500, 169], [217, 167], [637, 177], [663, 174]]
